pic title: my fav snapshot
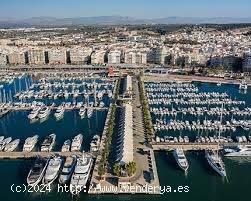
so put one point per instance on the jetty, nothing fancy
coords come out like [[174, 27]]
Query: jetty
[[193, 146]]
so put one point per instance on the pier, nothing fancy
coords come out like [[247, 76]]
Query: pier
[[193, 146]]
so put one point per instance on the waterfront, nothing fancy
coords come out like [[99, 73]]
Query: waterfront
[[211, 186]]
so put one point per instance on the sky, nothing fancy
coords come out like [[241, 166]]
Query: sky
[[20, 9]]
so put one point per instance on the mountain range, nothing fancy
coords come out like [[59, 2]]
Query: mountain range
[[119, 20]]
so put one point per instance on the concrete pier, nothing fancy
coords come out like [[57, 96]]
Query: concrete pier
[[192, 146]]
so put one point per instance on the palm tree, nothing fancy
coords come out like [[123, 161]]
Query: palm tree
[[130, 168], [101, 170], [117, 169]]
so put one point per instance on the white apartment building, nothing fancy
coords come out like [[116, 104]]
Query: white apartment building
[[114, 57], [57, 56], [247, 62], [3, 59], [36, 56], [134, 57], [98, 57], [80, 55]]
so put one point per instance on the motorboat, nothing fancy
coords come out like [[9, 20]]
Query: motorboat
[[59, 112], [66, 146], [243, 85], [37, 171], [34, 113], [12, 145], [48, 143], [89, 112], [44, 112], [101, 104], [4, 142], [30, 143], [67, 170], [181, 159], [81, 174], [81, 112], [52, 170], [215, 161], [238, 151], [1, 138], [77, 143], [95, 143]]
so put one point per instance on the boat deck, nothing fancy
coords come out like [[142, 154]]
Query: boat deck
[[19, 155]]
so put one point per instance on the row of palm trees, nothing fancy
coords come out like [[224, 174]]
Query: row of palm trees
[[103, 163], [145, 109], [129, 169]]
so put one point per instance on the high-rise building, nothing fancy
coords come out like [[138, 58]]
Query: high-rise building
[[114, 57], [57, 56], [80, 55], [3, 59], [98, 57], [15, 58], [134, 57], [247, 62], [36, 57]]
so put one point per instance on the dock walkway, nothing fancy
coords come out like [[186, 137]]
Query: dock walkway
[[192, 146]]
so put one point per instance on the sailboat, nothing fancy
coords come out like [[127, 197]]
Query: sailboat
[[213, 157]]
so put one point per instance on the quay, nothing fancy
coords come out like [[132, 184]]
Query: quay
[[22, 155], [193, 146]]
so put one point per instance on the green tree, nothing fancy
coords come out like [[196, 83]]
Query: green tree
[[117, 169], [101, 170], [130, 168]]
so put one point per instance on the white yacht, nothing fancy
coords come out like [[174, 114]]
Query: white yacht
[[59, 112], [181, 159], [67, 170], [44, 112], [101, 104], [81, 112], [34, 113], [48, 143], [5, 142], [95, 143], [215, 161], [89, 112], [30, 143], [1, 138], [238, 151], [52, 170], [81, 174], [243, 85], [12, 145], [37, 171], [77, 143], [66, 146]]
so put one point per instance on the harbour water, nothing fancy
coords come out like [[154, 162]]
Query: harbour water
[[203, 183]]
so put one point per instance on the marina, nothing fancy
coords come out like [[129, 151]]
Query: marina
[[190, 125]]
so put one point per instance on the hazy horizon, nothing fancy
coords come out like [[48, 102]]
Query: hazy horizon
[[139, 9]]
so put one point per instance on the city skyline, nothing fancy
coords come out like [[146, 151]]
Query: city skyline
[[139, 9]]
